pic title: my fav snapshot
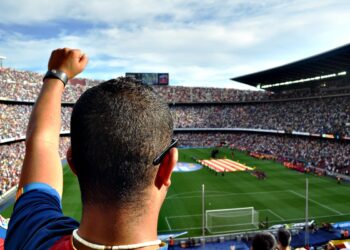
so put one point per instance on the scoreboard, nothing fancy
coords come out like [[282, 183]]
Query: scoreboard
[[150, 78]]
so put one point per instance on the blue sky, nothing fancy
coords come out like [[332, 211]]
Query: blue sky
[[200, 43]]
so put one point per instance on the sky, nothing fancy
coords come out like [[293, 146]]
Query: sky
[[199, 43]]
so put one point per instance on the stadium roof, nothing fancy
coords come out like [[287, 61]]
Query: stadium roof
[[327, 63]]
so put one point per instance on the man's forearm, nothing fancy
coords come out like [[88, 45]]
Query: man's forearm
[[42, 162], [45, 120], [42, 141]]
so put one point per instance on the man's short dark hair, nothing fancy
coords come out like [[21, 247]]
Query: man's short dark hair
[[263, 241], [284, 237], [117, 129]]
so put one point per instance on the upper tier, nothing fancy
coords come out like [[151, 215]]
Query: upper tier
[[25, 86]]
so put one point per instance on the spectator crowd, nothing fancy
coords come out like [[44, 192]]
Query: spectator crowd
[[327, 115], [11, 159], [246, 110], [25, 86], [321, 116], [14, 120], [327, 154]]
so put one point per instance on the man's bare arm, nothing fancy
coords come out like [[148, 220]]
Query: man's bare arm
[[42, 161]]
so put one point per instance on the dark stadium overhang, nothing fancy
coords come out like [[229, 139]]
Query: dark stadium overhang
[[324, 64]]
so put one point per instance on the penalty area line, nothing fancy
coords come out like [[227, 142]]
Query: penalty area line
[[317, 203], [167, 222], [273, 213], [278, 216]]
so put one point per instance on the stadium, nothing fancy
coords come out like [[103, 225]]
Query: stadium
[[249, 160]]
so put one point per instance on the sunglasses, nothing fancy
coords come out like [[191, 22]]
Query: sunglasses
[[161, 156]]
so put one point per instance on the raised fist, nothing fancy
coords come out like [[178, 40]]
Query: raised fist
[[70, 61]]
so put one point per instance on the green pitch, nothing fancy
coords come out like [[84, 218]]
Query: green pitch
[[280, 197]]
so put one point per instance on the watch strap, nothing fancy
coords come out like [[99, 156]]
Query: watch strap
[[56, 74]]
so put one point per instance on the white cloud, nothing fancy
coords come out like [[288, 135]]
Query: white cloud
[[198, 42]]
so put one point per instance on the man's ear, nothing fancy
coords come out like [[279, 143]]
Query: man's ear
[[166, 168], [70, 160]]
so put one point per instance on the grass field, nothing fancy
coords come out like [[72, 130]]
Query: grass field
[[280, 197]]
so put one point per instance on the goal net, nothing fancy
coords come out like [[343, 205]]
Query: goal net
[[230, 220]]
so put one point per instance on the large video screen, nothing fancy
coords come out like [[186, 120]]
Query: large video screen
[[150, 78]]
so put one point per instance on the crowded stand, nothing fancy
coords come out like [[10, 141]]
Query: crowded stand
[[178, 94], [25, 85], [327, 115], [11, 159], [14, 120], [325, 154], [312, 115], [322, 116]]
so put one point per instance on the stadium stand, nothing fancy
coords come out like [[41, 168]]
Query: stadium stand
[[11, 159], [200, 108], [327, 115], [14, 119], [287, 124], [24, 86], [321, 116], [325, 154]]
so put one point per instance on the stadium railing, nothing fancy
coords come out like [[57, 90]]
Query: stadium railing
[[9, 194], [239, 236]]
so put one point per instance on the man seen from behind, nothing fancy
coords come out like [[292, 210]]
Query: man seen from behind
[[122, 153]]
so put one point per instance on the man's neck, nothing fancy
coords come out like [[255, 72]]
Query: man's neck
[[118, 227]]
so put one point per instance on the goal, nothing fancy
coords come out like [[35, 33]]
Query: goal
[[231, 220]]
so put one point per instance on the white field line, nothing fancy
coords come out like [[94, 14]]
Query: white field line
[[270, 221], [177, 196], [278, 216], [317, 217], [316, 202], [272, 212], [183, 216], [65, 170], [179, 229], [219, 195], [196, 192], [194, 228], [167, 222]]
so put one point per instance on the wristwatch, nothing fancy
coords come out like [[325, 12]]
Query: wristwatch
[[57, 74]]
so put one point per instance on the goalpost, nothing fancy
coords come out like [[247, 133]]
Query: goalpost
[[232, 219]]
